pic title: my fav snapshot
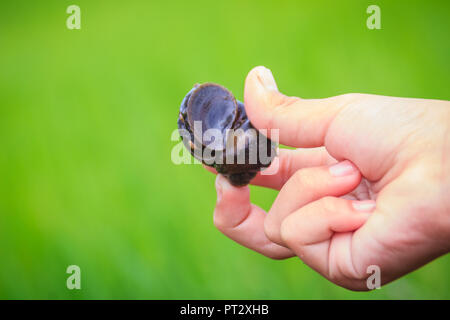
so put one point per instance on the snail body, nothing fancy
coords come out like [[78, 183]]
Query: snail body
[[216, 130]]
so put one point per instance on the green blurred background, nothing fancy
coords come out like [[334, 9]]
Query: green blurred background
[[86, 118]]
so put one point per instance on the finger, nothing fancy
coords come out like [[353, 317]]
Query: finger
[[242, 221], [406, 231], [308, 185], [301, 122], [320, 233], [289, 162]]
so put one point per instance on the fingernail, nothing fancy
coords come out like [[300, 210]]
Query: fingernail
[[221, 184], [266, 79], [343, 168], [366, 205]]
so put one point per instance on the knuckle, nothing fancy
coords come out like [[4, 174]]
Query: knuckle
[[277, 99], [270, 229], [327, 203], [350, 96], [287, 232], [307, 178], [300, 177], [218, 222], [348, 280], [347, 98]]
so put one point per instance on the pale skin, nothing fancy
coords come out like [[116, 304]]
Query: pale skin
[[368, 185]]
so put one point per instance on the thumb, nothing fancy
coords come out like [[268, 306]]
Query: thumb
[[301, 122]]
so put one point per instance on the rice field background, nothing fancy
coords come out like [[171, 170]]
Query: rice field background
[[86, 118]]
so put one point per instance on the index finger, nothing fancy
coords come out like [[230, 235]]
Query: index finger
[[289, 162], [242, 221]]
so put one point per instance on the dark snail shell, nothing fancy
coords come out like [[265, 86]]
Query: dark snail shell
[[215, 129]]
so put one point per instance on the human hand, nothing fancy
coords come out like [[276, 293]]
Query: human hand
[[370, 186]]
